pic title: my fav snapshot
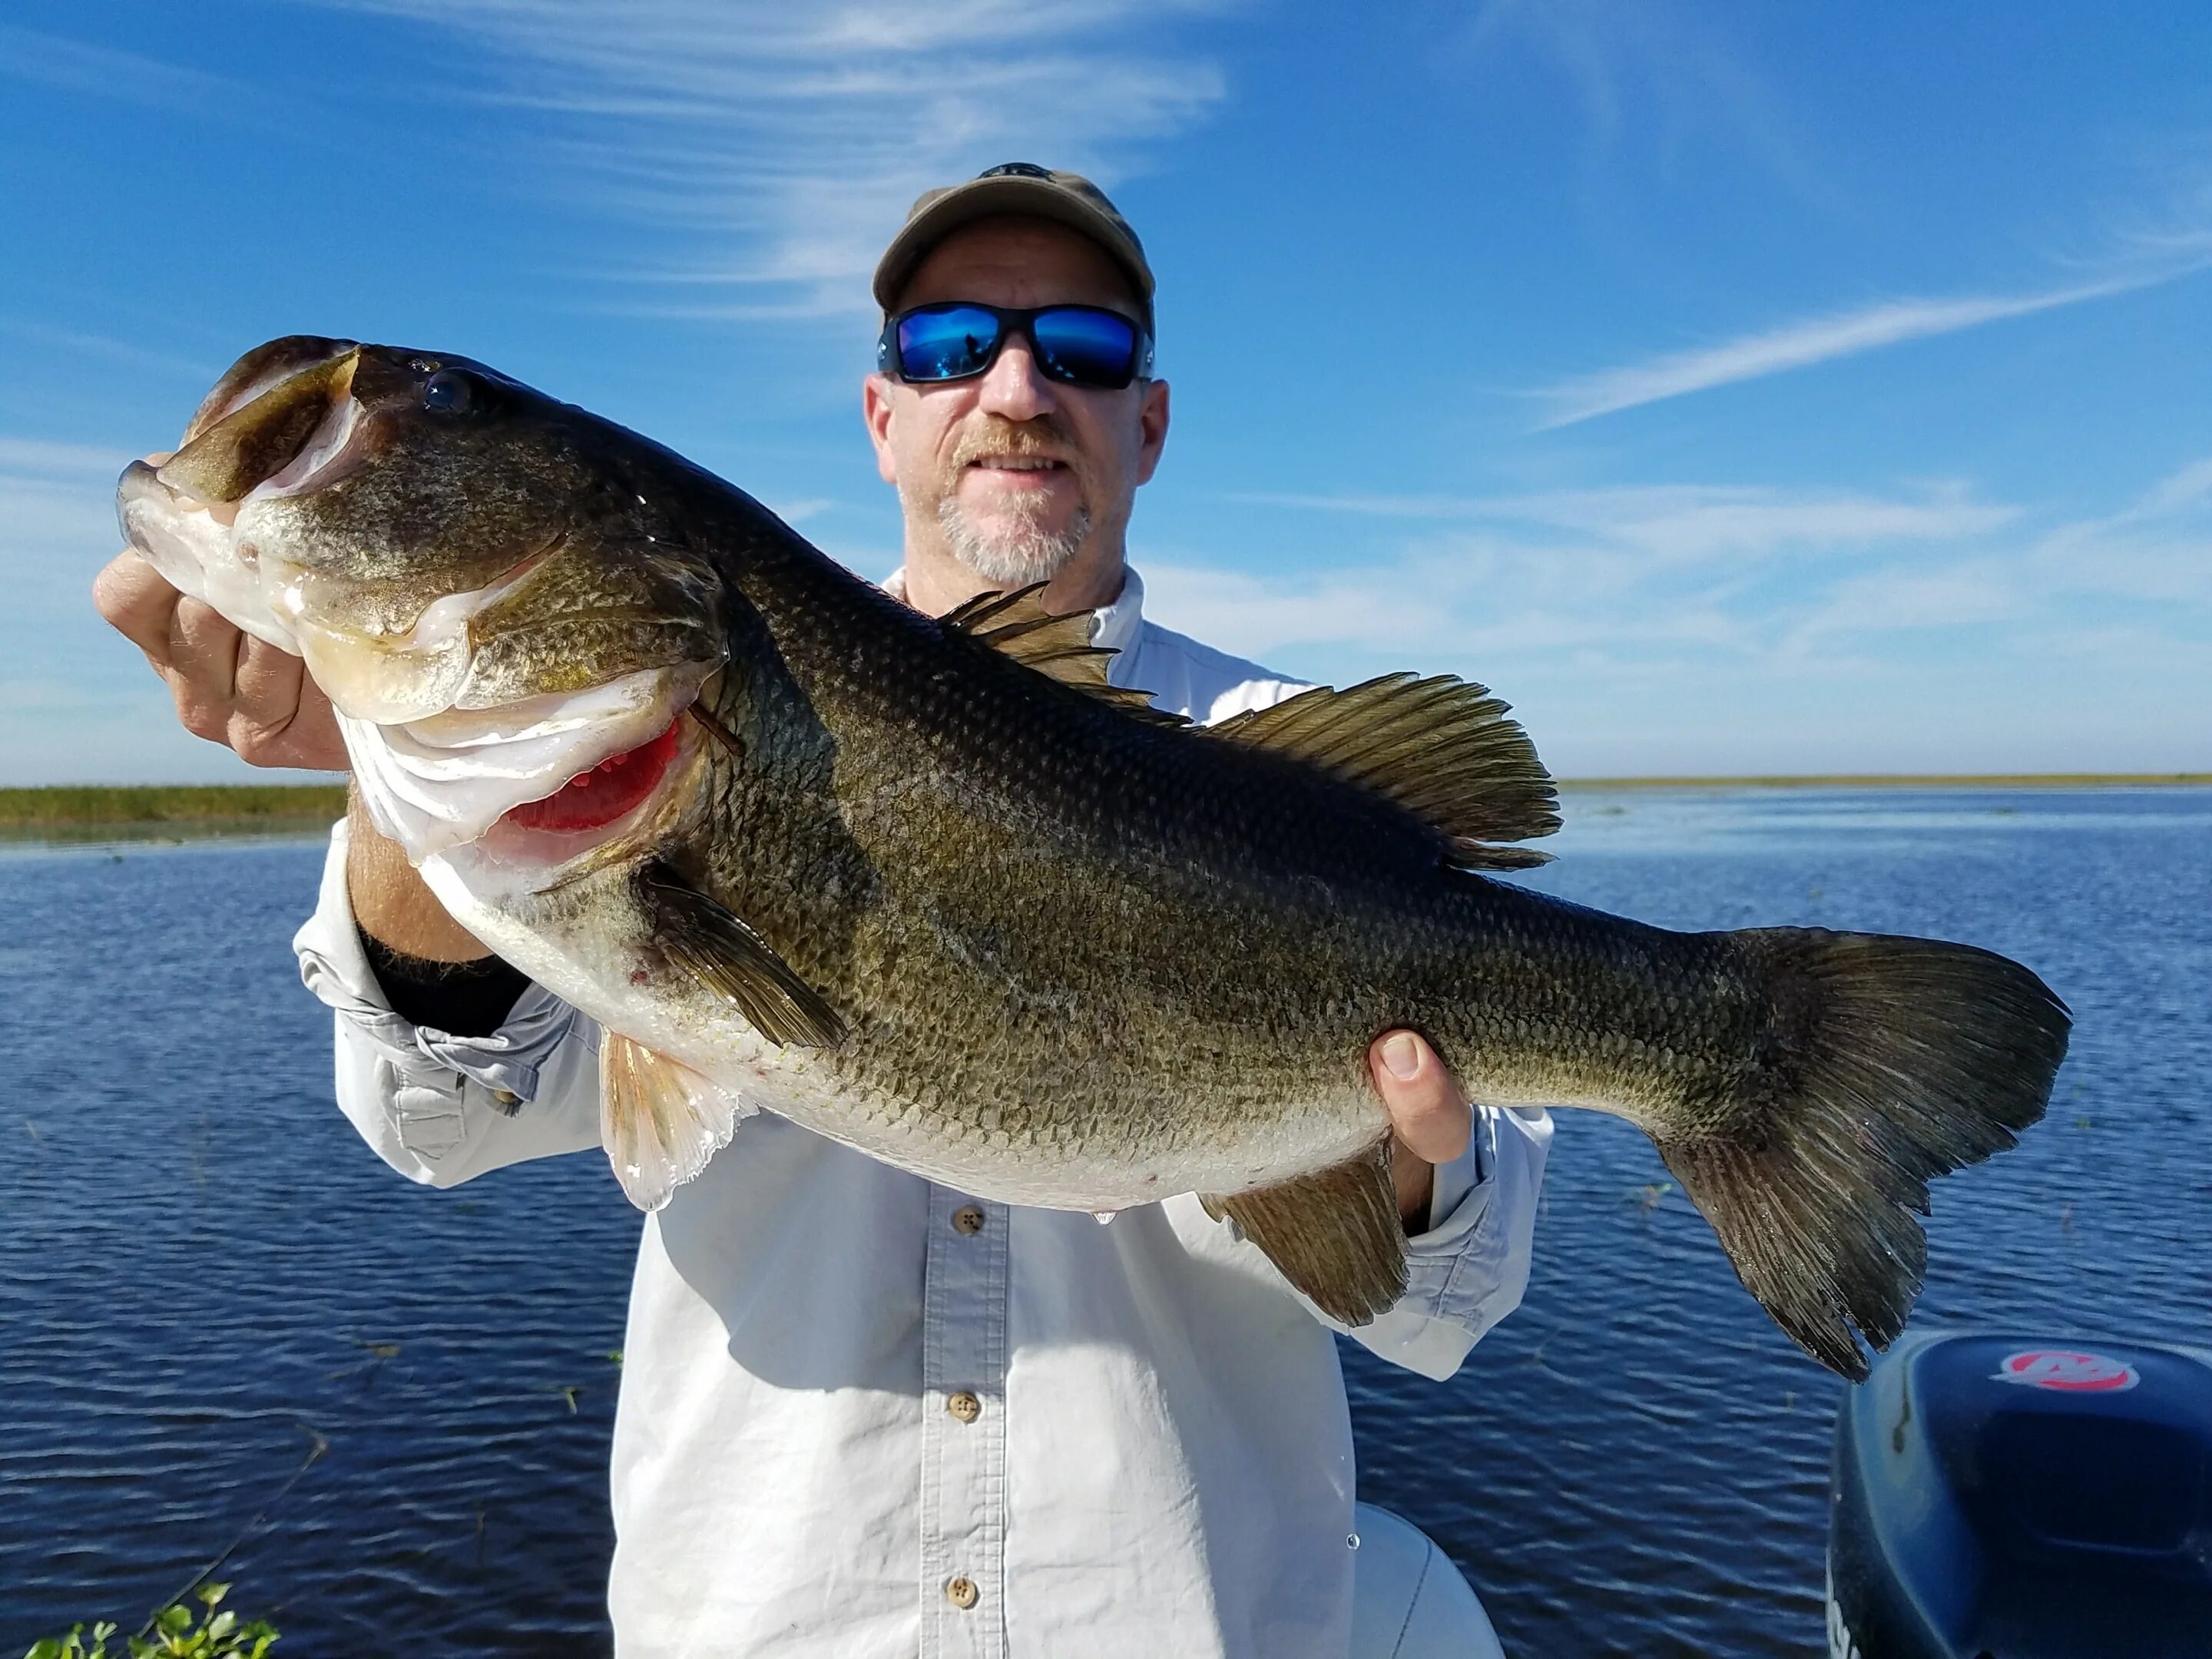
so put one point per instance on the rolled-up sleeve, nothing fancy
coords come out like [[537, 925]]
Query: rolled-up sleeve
[[1469, 1269], [438, 1108]]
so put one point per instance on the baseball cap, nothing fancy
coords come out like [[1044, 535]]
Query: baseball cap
[[1022, 189]]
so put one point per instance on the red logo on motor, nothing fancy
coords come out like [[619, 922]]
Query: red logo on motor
[[2066, 1371]]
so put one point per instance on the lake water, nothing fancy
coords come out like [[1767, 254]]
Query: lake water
[[204, 1275]]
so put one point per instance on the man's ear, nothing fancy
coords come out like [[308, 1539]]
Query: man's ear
[[1151, 429], [876, 411]]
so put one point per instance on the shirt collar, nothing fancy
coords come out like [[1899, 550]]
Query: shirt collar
[[1113, 627]]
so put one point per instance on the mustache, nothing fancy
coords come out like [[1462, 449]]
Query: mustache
[[1043, 435]]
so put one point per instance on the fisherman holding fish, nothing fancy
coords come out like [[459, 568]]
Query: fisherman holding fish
[[951, 915], [862, 1412]]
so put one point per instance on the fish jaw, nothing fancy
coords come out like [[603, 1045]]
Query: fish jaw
[[197, 553], [427, 534], [436, 784], [214, 552], [482, 651]]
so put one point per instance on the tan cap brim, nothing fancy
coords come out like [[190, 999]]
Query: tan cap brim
[[1008, 196]]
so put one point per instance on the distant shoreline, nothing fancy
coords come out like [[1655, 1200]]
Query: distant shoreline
[[140, 809], [1913, 780], [248, 809]]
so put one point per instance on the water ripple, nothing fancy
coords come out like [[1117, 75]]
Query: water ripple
[[204, 1272]]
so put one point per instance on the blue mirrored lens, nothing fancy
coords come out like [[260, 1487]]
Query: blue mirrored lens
[[1088, 347], [946, 343]]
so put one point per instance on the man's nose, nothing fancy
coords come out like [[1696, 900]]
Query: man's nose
[[1013, 385]]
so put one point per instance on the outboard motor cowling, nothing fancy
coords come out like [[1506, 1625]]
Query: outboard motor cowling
[[2007, 1498]]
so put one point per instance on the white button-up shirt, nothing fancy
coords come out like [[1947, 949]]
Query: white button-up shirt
[[865, 1415]]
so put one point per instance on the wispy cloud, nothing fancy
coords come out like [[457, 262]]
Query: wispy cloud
[[1655, 65], [1814, 340], [127, 353], [57, 507], [802, 510], [1731, 586], [55, 60], [778, 146], [59, 463], [1696, 521], [1623, 572]]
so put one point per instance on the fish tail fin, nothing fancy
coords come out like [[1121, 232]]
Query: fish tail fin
[[1883, 1062]]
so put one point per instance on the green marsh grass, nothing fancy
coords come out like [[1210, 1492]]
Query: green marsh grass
[[122, 811]]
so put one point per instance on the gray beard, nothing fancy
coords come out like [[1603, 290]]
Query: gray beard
[[1031, 554]]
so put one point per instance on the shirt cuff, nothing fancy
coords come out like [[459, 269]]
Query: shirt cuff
[[1469, 1269], [333, 966]]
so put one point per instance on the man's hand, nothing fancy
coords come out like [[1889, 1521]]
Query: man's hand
[[1429, 1118], [234, 689], [229, 687]]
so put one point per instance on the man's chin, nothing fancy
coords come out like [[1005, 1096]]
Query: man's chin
[[1015, 568], [1018, 554]]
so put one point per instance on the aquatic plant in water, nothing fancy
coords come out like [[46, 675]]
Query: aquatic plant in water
[[171, 1631]]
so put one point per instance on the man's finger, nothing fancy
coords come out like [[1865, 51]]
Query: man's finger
[[204, 650], [265, 682], [279, 717], [1426, 1108], [265, 700], [137, 601]]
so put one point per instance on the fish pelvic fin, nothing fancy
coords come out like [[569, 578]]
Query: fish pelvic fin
[[1440, 747], [1335, 1234], [1886, 1062], [736, 964], [1016, 624], [659, 1120]]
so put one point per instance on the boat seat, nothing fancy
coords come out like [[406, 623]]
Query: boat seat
[[1408, 1601]]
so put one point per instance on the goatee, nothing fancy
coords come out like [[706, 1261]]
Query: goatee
[[1022, 552]]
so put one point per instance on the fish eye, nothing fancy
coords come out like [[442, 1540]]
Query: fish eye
[[449, 391]]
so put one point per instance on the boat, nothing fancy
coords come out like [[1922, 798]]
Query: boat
[[2002, 1496], [1408, 1601]]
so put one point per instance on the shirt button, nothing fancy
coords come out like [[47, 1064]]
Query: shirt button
[[962, 1592], [968, 1219], [964, 1406]]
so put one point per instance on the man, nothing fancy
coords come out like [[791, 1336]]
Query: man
[[861, 1414]]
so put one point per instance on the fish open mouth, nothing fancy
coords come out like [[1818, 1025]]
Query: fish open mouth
[[293, 417], [562, 766], [613, 789], [282, 422], [452, 727]]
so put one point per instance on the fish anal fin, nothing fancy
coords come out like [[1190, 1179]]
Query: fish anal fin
[[735, 963], [659, 1120], [1016, 624], [1335, 1234], [1441, 747]]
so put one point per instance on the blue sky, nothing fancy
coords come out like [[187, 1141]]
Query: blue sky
[[1735, 388]]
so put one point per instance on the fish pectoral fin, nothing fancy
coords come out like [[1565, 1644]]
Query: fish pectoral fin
[[735, 963], [1440, 748], [1335, 1234], [1016, 624], [659, 1120]]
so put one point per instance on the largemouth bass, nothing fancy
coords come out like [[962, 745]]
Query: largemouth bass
[[934, 888]]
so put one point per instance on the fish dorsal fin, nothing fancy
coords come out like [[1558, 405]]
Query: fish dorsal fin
[[1335, 1234], [659, 1120], [1442, 748], [1016, 624]]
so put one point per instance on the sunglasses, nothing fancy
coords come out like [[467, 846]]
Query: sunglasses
[[1078, 346]]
